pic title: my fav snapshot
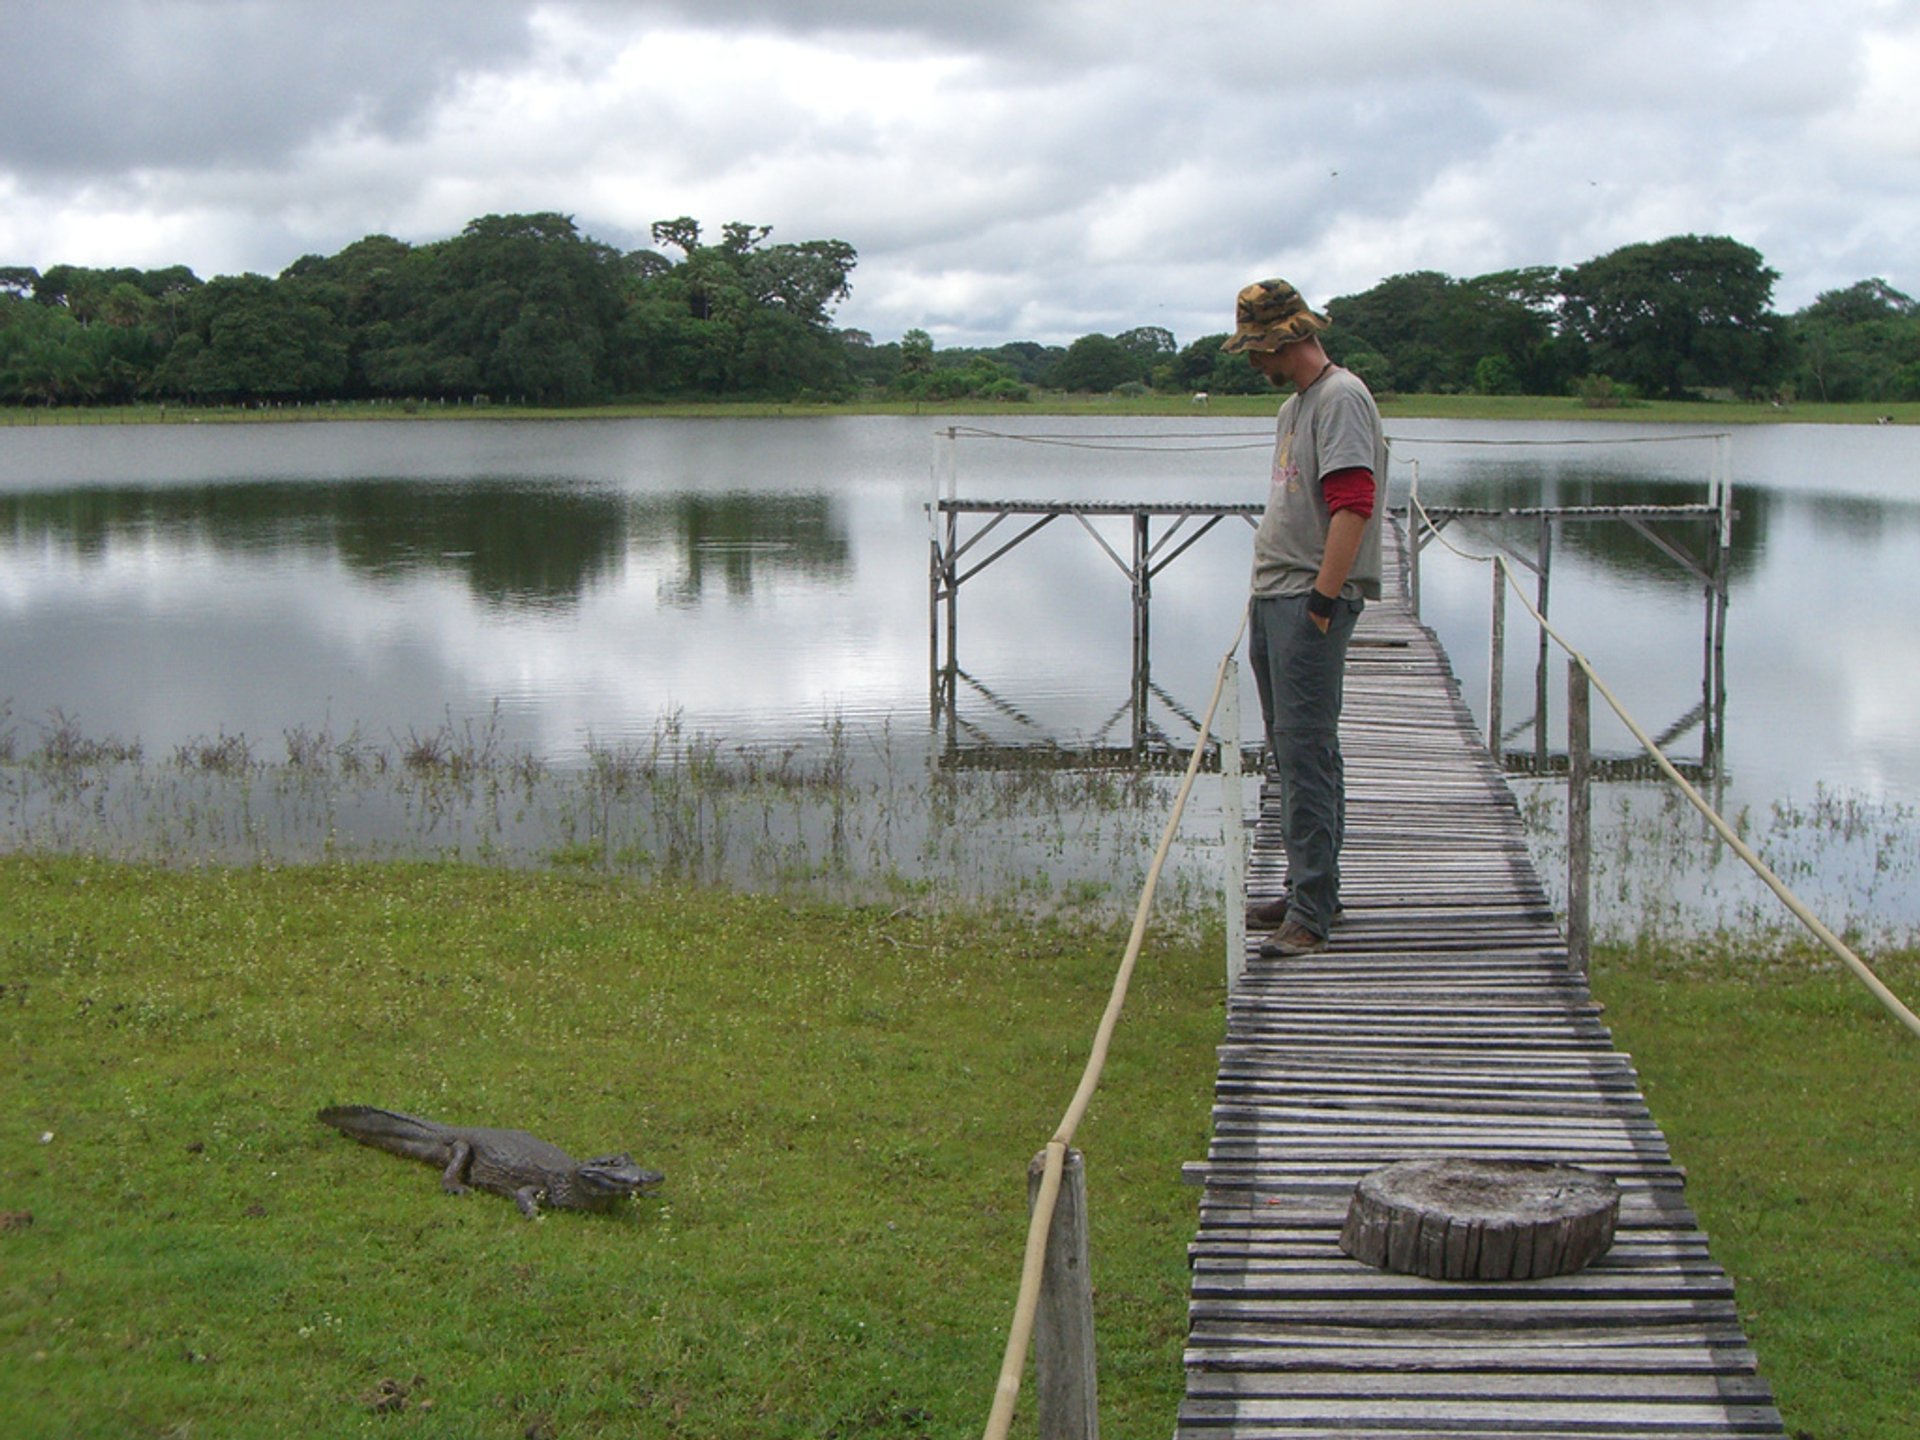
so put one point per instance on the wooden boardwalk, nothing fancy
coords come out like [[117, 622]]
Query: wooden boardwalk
[[1444, 1020]]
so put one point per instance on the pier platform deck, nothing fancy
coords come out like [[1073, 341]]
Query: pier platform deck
[[1444, 1020]]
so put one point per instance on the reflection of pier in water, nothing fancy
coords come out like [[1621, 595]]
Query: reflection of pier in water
[[969, 746]]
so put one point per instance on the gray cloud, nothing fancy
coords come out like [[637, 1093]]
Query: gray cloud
[[1007, 169], [87, 88]]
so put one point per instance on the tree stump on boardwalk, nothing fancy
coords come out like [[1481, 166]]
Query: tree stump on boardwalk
[[1481, 1219]]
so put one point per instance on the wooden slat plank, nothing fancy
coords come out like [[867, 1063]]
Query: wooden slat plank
[[1657, 1385], [1331, 1418], [1474, 1367]]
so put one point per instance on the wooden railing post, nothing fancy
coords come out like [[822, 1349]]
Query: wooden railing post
[[1233, 821], [1579, 818], [1142, 628], [1497, 664], [1063, 1359], [1543, 581], [1413, 558], [942, 583]]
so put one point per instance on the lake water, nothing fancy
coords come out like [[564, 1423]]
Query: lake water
[[566, 588]]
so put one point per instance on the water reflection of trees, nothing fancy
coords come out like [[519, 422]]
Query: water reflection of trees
[[515, 545], [736, 536], [1759, 516]]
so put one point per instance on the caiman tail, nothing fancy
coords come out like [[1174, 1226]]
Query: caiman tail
[[407, 1135]]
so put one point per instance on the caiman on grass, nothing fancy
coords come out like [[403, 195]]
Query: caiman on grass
[[507, 1162]]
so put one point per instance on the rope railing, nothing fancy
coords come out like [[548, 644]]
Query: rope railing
[[1795, 906], [1153, 442], [1157, 441], [1020, 1331], [1560, 443]]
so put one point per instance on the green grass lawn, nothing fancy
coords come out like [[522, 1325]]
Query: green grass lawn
[[844, 1102], [1793, 1101]]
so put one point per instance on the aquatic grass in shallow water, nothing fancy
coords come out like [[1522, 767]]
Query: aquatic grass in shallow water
[[224, 754], [1661, 874], [856, 815], [861, 815], [66, 749]]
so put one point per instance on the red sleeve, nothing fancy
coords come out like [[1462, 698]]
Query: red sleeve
[[1349, 490]]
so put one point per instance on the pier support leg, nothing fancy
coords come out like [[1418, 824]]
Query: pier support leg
[[1718, 705], [1579, 819], [935, 572], [1541, 666], [950, 579], [1412, 548], [1497, 663], [1063, 1357], [1142, 637], [1714, 735]]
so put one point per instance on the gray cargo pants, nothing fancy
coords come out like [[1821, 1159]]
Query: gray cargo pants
[[1300, 674]]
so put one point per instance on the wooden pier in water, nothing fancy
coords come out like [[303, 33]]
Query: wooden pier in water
[[1445, 1020], [1157, 533]]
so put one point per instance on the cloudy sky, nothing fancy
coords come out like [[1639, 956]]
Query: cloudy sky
[[1007, 169]]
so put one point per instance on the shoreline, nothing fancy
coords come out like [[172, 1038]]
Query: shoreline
[[1537, 408]]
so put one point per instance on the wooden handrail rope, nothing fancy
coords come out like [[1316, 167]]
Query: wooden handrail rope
[[1773, 882], [1039, 1226]]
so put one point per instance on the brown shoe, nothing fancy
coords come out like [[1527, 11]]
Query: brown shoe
[[1272, 914], [1269, 915], [1293, 939]]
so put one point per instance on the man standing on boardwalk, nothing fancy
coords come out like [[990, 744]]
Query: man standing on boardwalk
[[1316, 561]]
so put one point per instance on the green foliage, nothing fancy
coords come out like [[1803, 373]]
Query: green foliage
[[1861, 343], [736, 318], [1495, 375], [519, 305], [515, 306], [247, 338], [526, 308], [1149, 345], [916, 352], [1679, 316], [913, 370], [963, 376], [844, 1102], [43, 358], [1861, 303], [85, 293], [1425, 332], [87, 336], [1602, 392], [1096, 364], [1030, 362], [1202, 366]]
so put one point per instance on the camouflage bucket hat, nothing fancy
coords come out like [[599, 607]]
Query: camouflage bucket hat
[[1269, 314]]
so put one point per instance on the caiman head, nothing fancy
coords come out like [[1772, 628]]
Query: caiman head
[[616, 1175]]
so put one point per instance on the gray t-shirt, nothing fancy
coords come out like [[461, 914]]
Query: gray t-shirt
[[1332, 425]]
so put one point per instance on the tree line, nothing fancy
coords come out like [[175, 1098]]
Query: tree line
[[515, 307], [526, 308]]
